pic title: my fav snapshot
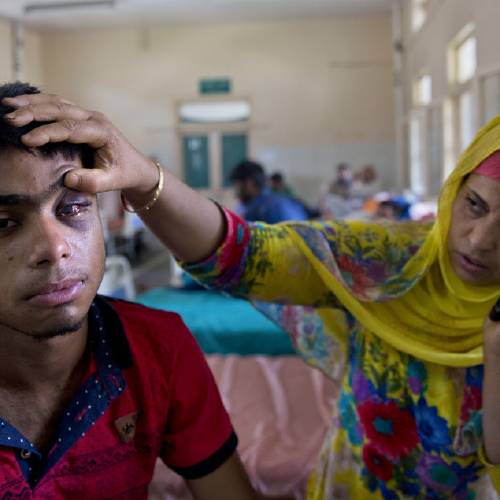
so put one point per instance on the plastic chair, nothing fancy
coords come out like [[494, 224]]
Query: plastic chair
[[118, 280]]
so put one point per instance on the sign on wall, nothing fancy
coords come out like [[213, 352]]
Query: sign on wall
[[214, 86]]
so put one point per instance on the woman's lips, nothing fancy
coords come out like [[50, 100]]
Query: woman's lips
[[56, 294], [470, 265]]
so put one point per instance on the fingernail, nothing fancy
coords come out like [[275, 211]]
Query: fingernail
[[10, 116], [71, 179]]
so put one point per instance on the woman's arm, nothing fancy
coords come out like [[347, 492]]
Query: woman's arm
[[190, 225], [262, 262]]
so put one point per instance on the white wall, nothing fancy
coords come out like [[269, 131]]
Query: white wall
[[426, 52], [321, 91]]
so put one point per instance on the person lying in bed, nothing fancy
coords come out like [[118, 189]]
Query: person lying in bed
[[397, 312], [92, 390]]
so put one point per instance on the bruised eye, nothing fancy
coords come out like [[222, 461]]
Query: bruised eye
[[74, 209], [6, 224]]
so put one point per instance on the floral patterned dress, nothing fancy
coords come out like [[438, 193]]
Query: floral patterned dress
[[403, 427]]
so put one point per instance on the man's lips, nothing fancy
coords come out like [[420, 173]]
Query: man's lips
[[54, 294]]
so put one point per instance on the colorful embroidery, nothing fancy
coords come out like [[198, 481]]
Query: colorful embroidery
[[405, 428]]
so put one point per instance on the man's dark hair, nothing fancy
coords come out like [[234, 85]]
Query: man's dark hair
[[249, 170], [10, 136], [277, 177]]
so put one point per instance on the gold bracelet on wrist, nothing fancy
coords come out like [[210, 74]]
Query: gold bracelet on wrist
[[156, 194]]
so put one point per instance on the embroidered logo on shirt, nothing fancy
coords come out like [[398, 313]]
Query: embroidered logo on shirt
[[126, 426]]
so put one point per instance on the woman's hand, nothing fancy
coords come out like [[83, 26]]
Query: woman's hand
[[117, 164], [491, 385], [186, 222], [492, 332]]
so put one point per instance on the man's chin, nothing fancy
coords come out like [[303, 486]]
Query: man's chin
[[57, 331], [44, 324]]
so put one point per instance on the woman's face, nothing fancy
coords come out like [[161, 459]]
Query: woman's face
[[474, 238]]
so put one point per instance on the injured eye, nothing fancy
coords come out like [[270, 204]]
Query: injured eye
[[6, 224], [73, 209]]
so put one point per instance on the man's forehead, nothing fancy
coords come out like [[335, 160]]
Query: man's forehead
[[23, 172]]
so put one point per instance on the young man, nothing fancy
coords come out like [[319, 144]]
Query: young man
[[92, 390], [259, 202]]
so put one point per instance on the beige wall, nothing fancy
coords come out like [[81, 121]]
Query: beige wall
[[32, 59], [321, 91], [5, 51]]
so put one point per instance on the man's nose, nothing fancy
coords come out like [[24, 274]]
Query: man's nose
[[49, 243]]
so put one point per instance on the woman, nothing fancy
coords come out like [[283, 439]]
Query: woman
[[396, 313]]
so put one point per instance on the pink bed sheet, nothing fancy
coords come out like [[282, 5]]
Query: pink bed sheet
[[281, 409]]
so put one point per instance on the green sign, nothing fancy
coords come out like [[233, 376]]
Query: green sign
[[215, 86]]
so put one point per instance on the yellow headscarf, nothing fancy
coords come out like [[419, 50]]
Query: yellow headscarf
[[439, 318]]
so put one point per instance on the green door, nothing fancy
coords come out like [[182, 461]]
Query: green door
[[196, 161], [234, 149]]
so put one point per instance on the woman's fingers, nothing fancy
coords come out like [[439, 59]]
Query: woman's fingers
[[91, 180], [118, 165], [90, 132], [27, 99], [47, 112]]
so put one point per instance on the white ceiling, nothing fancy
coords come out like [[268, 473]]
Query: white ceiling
[[145, 12]]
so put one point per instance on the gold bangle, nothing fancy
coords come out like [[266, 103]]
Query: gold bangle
[[156, 194]]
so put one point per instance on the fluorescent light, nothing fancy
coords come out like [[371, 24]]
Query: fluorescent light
[[52, 6]]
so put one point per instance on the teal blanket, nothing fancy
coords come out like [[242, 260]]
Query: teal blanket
[[222, 325]]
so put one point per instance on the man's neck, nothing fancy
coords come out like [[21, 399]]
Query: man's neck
[[32, 365]]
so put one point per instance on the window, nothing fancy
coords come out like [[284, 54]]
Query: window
[[422, 91], [196, 161], [418, 180], [462, 58], [418, 13], [466, 60], [466, 119], [460, 111]]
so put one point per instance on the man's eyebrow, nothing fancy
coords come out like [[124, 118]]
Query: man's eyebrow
[[15, 199]]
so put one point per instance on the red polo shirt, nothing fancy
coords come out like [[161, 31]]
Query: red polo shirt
[[148, 393]]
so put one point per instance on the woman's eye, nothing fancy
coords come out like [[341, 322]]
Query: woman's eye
[[6, 224], [473, 204]]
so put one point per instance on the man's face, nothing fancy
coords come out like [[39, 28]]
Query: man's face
[[245, 190], [51, 246], [474, 238]]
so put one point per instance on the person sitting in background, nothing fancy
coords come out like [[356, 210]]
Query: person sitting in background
[[92, 390], [278, 185], [338, 203], [366, 184], [343, 179], [259, 203], [396, 208]]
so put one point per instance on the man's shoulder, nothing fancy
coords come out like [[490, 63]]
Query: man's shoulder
[[145, 322]]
